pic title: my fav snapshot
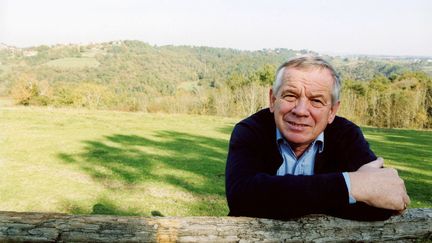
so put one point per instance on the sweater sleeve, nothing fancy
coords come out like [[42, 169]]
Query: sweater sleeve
[[251, 191]]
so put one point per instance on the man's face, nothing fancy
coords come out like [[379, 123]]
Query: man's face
[[303, 106]]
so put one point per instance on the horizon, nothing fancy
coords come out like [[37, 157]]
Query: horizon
[[197, 46], [335, 27]]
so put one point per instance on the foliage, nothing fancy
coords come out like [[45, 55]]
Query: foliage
[[403, 102], [29, 91], [135, 76]]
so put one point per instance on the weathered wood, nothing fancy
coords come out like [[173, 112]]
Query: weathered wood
[[414, 225]]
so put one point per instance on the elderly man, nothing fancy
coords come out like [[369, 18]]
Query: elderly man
[[297, 157]]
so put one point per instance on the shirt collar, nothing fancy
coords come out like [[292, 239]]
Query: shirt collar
[[319, 140]]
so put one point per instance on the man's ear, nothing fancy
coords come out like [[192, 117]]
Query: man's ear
[[272, 100], [333, 111]]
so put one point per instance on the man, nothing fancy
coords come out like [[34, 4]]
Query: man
[[297, 157]]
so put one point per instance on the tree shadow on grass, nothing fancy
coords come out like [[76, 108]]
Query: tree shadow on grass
[[227, 130], [411, 152], [167, 157], [102, 206], [405, 147]]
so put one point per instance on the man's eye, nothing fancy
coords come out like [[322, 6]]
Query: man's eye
[[289, 97], [317, 102]]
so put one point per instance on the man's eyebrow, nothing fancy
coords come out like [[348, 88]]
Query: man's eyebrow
[[317, 95]]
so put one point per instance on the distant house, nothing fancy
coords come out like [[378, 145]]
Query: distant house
[[117, 43]]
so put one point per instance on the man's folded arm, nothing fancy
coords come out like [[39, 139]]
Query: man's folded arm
[[357, 154]]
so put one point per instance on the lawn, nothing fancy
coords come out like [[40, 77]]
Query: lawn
[[410, 152], [104, 162], [83, 162], [74, 62]]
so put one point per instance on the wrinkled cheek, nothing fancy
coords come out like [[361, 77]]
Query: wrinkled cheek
[[284, 110], [286, 115]]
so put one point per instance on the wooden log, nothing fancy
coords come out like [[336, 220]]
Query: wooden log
[[413, 225]]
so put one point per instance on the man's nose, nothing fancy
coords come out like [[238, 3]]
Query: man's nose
[[301, 108]]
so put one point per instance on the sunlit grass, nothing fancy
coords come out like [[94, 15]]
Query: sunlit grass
[[410, 152], [84, 162], [73, 62]]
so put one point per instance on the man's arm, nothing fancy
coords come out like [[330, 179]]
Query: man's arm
[[377, 190], [373, 204], [391, 193]]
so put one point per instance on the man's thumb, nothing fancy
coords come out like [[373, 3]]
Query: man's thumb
[[378, 163]]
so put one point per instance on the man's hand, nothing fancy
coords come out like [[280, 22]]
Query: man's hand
[[379, 187]]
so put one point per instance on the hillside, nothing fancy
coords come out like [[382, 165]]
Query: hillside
[[135, 76], [138, 66], [134, 65]]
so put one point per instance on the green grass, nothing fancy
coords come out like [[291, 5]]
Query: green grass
[[103, 162], [73, 62], [85, 162], [410, 152]]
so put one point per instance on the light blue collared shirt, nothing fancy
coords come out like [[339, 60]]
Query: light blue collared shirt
[[305, 164], [298, 166]]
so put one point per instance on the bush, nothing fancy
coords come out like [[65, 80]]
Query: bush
[[31, 92]]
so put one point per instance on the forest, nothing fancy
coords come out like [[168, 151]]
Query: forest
[[390, 92]]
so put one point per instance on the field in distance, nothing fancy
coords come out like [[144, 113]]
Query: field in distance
[[104, 162]]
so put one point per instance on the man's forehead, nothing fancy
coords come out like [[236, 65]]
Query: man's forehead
[[319, 76], [288, 71], [317, 84]]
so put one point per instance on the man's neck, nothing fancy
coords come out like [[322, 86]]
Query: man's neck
[[298, 149]]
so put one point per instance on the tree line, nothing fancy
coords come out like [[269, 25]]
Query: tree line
[[134, 76]]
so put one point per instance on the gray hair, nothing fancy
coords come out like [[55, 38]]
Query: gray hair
[[304, 62]]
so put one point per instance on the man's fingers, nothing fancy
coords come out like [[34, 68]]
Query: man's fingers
[[407, 200], [379, 187]]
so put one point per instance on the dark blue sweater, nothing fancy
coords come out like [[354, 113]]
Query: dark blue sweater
[[254, 190]]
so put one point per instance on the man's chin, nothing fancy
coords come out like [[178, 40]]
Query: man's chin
[[296, 139]]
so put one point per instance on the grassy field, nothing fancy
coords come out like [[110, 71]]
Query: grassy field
[[74, 62], [410, 152], [100, 162]]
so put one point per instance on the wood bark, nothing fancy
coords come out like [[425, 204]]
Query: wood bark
[[414, 225]]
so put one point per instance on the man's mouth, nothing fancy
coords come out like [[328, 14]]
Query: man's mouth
[[297, 124]]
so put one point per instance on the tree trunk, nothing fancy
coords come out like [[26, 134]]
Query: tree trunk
[[414, 225]]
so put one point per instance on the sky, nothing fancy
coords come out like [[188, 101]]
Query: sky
[[370, 27]]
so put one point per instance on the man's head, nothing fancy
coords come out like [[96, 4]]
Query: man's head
[[304, 99]]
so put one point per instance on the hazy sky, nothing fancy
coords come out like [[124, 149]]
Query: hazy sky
[[391, 27]]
